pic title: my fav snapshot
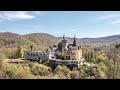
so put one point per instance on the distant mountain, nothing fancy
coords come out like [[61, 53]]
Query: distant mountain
[[96, 42], [43, 40], [100, 41]]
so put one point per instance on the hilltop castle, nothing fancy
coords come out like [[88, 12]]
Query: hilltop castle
[[63, 52]]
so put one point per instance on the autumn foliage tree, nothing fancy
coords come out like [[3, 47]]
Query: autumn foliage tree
[[20, 52]]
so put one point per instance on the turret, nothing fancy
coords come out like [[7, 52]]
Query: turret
[[74, 42], [63, 37]]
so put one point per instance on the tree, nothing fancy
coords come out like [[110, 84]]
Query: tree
[[40, 69], [20, 52], [83, 72], [74, 75], [17, 72], [89, 55], [2, 56], [31, 48], [62, 70]]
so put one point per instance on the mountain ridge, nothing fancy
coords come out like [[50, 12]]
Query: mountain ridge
[[45, 40], [118, 35]]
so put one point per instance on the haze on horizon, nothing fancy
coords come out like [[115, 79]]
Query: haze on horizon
[[83, 24]]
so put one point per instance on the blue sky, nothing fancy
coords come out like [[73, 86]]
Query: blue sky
[[81, 23]]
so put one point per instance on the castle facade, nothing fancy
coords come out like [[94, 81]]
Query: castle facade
[[67, 51], [64, 51]]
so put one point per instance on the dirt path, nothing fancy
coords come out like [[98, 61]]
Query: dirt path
[[21, 60]]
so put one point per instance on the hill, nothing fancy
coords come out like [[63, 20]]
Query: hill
[[8, 39], [42, 41]]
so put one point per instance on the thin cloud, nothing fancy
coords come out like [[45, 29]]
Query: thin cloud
[[111, 18], [107, 17], [12, 15], [116, 21]]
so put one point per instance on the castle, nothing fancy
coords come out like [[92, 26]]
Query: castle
[[63, 52]]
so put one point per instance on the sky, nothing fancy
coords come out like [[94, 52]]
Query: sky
[[82, 24]]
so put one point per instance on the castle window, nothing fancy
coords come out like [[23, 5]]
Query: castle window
[[44, 54], [69, 57], [74, 58]]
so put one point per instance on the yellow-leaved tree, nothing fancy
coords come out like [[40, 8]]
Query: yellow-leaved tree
[[20, 52]]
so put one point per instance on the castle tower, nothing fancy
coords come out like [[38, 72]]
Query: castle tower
[[63, 37], [74, 42], [64, 45]]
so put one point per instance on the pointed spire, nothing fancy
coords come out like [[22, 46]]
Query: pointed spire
[[63, 37], [74, 42]]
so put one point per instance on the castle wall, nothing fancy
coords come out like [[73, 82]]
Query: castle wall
[[40, 55], [73, 54], [37, 56], [76, 54]]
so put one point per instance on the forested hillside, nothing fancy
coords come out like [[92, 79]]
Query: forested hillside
[[101, 62], [10, 41], [42, 41], [45, 40]]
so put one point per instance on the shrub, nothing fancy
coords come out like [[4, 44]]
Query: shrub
[[93, 72], [103, 67], [74, 75], [40, 69], [53, 76], [62, 70], [97, 72], [100, 58], [2, 56], [16, 72], [83, 72], [8, 52]]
